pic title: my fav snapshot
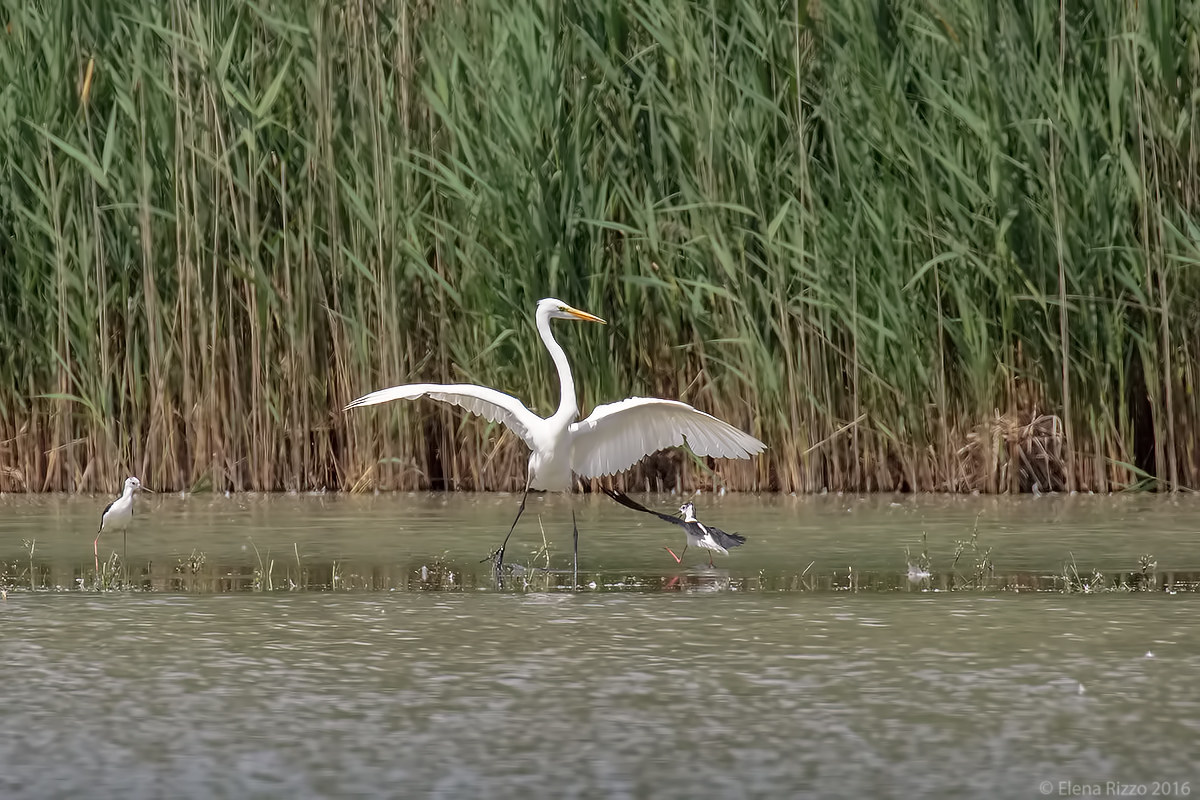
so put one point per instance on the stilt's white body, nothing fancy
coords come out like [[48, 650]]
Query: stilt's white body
[[698, 534], [116, 515], [119, 513]]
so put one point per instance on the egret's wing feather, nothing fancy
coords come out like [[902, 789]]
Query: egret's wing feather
[[616, 436], [488, 403]]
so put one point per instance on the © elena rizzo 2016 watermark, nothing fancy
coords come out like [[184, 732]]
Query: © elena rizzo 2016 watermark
[[1116, 789]]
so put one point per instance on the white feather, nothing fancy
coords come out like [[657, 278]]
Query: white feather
[[492, 405], [615, 436]]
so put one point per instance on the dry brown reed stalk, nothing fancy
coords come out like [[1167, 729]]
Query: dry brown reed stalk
[[222, 222]]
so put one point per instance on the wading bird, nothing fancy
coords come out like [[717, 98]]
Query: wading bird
[[116, 516], [706, 537], [613, 438]]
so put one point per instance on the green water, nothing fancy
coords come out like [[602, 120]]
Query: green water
[[806, 662]]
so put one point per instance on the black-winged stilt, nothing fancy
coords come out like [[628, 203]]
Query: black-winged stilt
[[706, 537], [116, 516]]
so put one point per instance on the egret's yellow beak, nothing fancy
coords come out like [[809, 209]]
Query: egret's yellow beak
[[575, 312]]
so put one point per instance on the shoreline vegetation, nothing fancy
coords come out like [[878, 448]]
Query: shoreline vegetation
[[911, 246]]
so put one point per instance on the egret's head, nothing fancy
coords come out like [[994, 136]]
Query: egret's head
[[132, 484], [688, 511], [553, 308]]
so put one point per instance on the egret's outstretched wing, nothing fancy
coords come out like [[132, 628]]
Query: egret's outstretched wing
[[488, 403], [616, 436]]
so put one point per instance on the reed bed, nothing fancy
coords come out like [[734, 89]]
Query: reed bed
[[911, 245]]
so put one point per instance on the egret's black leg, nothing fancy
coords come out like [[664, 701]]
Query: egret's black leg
[[125, 558], [575, 570], [498, 556]]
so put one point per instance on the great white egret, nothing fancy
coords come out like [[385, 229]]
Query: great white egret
[[613, 438], [699, 535], [116, 516]]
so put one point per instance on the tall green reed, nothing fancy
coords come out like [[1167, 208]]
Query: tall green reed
[[910, 245]]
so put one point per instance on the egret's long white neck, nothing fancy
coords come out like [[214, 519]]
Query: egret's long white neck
[[568, 405]]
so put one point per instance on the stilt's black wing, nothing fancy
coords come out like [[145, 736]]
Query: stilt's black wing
[[629, 502], [102, 513], [726, 540]]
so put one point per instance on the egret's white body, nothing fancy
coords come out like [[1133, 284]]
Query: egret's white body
[[117, 515], [613, 438]]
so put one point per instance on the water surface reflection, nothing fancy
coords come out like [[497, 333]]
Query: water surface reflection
[[438, 542], [609, 695], [378, 659]]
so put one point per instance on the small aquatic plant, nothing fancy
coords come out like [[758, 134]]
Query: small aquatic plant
[[109, 577], [1145, 578], [921, 569], [30, 545], [851, 580], [186, 570], [983, 572], [1076, 583], [439, 574], [191, 564], [264, 572], [1147, 569]]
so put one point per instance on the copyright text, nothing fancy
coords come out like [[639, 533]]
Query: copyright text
[[1115, 789]]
